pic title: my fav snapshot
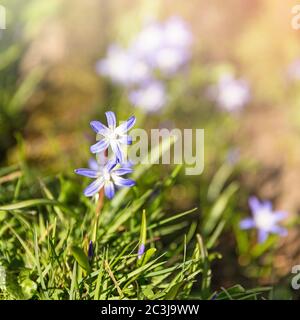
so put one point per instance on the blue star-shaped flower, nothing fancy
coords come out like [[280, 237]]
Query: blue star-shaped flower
[[113, 136], [107, 176], [264, 219]]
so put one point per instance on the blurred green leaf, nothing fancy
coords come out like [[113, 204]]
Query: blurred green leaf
[[81, 258]]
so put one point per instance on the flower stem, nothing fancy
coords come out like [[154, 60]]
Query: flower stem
[[99, 207]]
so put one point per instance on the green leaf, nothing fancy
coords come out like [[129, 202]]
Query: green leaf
[[81, 258], [30, 203], [172, 293], [218, 181], [146, 257], [143, 233], [218, 209], [25, 90]]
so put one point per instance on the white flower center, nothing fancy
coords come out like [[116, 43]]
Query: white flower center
[[264, 220], [112, 135], [106, 175]]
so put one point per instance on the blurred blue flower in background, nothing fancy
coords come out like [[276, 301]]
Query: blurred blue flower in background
[[165, 46], [148, 41], [123, 67], [168, 60], [230, 94], [177, 33], [151, 97], [264, 219], [159, 49]]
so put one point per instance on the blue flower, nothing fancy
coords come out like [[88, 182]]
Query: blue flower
[[107, 176], [113, 136], [168, 60], [164, 46], [123, 67], [151, 97], [230, 94], [264, 219], [177, 33], [148, 41]]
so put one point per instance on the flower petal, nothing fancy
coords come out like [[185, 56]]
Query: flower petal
[[99, 146], [94, 187], [254, 204], [262, 236], [101, 158], [279, 215], [141, 250], [267, 205], [117, 151], [279, 230], [127, 164], [121, 182], [247, 223], [125, 126], [125, 139], [111, 119], [98, 127], [93, 164], [110, 165], [87, 172], [109, 189], [122, 171]]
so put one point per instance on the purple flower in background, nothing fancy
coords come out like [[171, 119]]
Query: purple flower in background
[[159, 48], [264, 219], [151, 97], [168, 60], [230, 94], [177, 33], [148, 41], [113, 136], [164, 46], [175, 51], [123, 67], [107, 176]]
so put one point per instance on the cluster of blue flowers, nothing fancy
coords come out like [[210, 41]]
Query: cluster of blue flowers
[[158, 51], [108, 172]]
